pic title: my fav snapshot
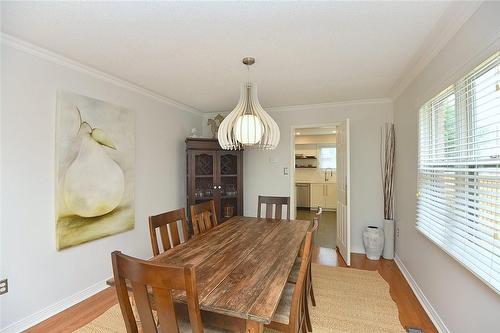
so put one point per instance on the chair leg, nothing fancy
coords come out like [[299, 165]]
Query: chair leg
[[311, 292], [304, 329], [308, 318]]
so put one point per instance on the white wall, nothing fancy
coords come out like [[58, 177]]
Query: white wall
[[39, 276], [463, 302], [263, 170]]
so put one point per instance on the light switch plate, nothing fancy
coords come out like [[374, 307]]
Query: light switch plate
[[285, 171], [4, 286]]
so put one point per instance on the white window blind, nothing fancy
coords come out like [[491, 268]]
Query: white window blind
[[327, 156], [458, 205]]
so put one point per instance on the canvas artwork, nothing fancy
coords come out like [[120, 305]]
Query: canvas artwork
[[95, 160]]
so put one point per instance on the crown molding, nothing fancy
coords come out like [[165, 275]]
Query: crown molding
[[447, 26], [328, 104], [302, 107], [45, 54]]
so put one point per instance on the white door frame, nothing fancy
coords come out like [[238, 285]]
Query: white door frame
[[291, 169]]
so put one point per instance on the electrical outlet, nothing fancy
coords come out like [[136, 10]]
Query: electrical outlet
[[397, 232], [4, 287], [414, 330]]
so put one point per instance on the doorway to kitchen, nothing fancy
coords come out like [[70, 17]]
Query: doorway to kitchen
[[315, 179], [320, 177]]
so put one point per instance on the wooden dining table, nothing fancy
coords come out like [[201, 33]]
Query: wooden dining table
[[242, 266]]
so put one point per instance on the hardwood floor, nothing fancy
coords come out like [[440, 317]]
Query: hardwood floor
[[411, 313], [79, 314], [327, 231]]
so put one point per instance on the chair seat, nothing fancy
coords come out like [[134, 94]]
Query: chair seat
[[294, 274], [282, 314]]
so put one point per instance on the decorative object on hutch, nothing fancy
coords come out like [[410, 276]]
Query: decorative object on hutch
[[194, 132], [248, 125], [214, 174], [214, 124]]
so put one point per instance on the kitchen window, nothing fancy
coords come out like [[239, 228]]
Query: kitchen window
[[458, 198], [327, 156]]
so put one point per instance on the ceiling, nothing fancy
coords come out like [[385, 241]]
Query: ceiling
[[306, 52]]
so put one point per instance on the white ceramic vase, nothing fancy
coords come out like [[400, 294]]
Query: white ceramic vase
[[388, 252], [373, 239]]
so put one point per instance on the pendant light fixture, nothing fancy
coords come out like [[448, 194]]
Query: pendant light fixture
[[248, 125]]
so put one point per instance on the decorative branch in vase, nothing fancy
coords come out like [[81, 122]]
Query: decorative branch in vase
[[387, 154]]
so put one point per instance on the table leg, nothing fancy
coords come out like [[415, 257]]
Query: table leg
[[254, 327]]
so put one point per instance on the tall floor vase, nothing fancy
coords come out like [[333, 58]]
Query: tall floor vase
[[373, 239], [388, 252]]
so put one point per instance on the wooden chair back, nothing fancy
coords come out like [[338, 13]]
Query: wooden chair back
[[297, 319], [162, 279], [170, 235], [313, 228], [203, 217], [277, 202]]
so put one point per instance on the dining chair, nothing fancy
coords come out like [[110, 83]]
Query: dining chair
[[292, 278], [167, 224], [290, 315], [162, 280], [277, 202], [203, 217]]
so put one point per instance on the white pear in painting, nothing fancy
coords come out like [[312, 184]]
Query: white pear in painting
[[94, 183], [95, 145]]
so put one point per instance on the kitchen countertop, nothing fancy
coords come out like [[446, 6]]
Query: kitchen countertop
[[314, 182]]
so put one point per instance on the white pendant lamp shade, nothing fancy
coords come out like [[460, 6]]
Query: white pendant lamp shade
[[248, 125], [248, 129]]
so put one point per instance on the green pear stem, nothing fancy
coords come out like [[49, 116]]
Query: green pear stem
[[82, 122], [90, 127]]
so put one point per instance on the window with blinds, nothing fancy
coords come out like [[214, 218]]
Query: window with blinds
[[458, 205], [327, 156]]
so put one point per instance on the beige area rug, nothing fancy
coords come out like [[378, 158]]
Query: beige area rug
[[348, 300]]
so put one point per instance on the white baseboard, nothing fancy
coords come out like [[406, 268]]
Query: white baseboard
[[429, 309], [54, 309]]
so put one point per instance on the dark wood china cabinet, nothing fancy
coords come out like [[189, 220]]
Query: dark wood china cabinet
[[214, 173]]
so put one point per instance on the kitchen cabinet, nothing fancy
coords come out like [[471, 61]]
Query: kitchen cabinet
[[324, 195], [331, 196], [317, 195]]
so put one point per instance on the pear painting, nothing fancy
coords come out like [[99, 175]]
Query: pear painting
[[95, 150]]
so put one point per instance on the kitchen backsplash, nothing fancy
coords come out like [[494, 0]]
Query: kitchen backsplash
[[312, 176]]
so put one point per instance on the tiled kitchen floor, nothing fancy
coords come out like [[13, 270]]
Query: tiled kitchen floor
[[327, 231]]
